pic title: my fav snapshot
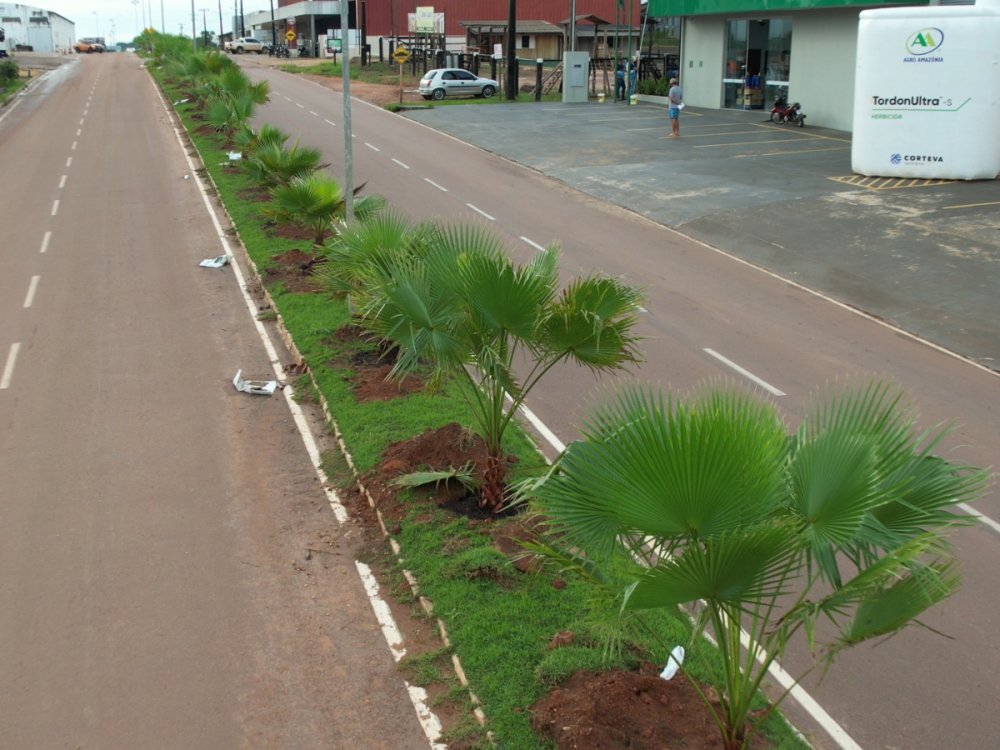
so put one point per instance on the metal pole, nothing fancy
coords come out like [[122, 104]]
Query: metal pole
[[511, 49], [243, 21], [194, 28], [345, 34], [144, 27], [628, 67], [572, 28], [274, 34], [163, 18]]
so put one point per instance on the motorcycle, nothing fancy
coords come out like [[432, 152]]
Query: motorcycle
[[280, 50], [304, 52], [789, 114]]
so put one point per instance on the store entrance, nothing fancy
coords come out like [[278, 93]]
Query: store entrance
[[758, 58]]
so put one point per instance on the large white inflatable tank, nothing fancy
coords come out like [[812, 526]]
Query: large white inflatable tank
[[927, 92]]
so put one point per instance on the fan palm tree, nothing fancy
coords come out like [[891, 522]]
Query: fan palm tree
[[272, 165], [318, 202], [228, 115], [761, 534], [468, 309], [249, 140]]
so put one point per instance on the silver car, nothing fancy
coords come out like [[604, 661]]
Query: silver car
[[437, 84]]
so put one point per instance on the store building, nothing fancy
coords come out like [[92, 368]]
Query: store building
[[740, 54], [32, 29]]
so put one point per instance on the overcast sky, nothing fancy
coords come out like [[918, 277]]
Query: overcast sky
[[124, 15]]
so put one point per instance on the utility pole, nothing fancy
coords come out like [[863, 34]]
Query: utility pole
[[345, 34], [144, 27], [243, 21], [511, 50], [204, 27], [163, 18], [572, 33], [136, 14], [194, 29], [274, 33], [628, 67], [221, 27]]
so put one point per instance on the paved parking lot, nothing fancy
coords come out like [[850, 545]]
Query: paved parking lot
[[921, 254]]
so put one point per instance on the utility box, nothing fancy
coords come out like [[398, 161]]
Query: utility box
[[576, 72], [927, 92]]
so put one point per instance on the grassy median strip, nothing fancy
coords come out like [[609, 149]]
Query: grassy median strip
[[500, 620]]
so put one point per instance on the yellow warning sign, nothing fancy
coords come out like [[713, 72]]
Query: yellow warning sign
[[401, 55], [290, 36]]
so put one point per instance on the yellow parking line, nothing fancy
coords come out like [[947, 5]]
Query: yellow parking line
[[772, 126], [691, 127], [972, 205], [793, 151], [751, 143], [715, 134]]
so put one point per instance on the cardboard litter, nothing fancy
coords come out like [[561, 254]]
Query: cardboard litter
[[219, 262], [256, 387]]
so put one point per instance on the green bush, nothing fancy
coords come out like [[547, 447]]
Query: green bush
[[654, 88], [9, 71]]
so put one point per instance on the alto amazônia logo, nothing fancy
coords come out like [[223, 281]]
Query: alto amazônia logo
[[924, 41]]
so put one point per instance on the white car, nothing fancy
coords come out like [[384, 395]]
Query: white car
[[437, 84], [245, 44]]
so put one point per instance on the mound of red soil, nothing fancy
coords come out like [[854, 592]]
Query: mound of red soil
[[293, 232], [635, 710], [450, 446], [371, 384], [294, 270]]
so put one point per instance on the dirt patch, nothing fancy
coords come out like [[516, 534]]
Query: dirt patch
[[206, 130], [294, 232], [294, 270], [254, 195], [231, 170], [633, 710], [508, 539], [371, 384]]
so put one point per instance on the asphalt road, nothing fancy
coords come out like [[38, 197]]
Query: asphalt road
[[917, 691], [154, 591]]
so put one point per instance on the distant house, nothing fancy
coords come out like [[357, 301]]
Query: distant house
[[29, 28], [534, 39]]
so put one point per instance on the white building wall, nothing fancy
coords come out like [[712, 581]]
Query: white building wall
[[57, 35], [703, 49], [821, 76], [63, 33]]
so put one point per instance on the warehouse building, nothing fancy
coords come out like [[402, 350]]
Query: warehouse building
[[740, 54], [31, 29]]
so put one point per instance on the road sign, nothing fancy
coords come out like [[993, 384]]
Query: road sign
[[401, 55], [290, 35], [497, 51]]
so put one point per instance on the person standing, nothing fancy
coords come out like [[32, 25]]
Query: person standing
[[676, 97], [620, 81], [631, 81]]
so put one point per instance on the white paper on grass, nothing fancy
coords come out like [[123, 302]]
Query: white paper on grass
[[673, 663], [256, 387], [927, 93], [235, 156]]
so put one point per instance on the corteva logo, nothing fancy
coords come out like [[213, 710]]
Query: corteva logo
[[925, 41], [898, 158]]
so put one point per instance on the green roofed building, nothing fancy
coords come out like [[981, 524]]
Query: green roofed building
[[740, 54]]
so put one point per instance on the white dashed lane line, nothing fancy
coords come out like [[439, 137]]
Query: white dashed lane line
[[45, 242], [32, 287], [62, 182], [330, 123], [313, 113], [480, 211], [69, 161], [73, 147], [81, 121], [442, 189], [287, 99], [371, 146], [745, 373], [8, 370], [299, 105], [55, 206], [533, 244], [400, 164]]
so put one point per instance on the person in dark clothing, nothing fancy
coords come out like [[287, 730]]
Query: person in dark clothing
[[620, 81]]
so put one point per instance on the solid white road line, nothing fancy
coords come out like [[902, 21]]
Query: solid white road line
[[400, 164], [533, 244], [330, 123], [31, 291], [371, 146], [55, 207], [8, 370], [45, 242], [62, 182], [442, 189], [73, 147], [976, 514], [10, 109], [480, 211], [69, 161], [745, 373]]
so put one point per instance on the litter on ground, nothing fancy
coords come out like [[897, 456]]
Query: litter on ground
[[257, 387], [219, 262]]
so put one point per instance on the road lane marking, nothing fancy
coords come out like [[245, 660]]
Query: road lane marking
[[69, 161], [299, 105], [442, 189], [330, 123], [62, 182], [533, 244], [73, 147], [977, 515], [81, 121], [971, 205], [8, 370], [745, 373], [400, 164], [370, 146], [55, 207], [287, 98], [9, 110], [313, 113], [31, 291], [45, 242], [480, 211], [78, 131]]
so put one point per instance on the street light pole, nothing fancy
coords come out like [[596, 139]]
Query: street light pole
[[194, 28], [274, 34], [221, 27], [511, 50], [345, 35], [163, 18]]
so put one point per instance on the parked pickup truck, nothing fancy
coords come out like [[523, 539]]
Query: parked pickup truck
[[245, 44]]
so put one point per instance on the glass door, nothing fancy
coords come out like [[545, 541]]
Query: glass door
[[758, 58]]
